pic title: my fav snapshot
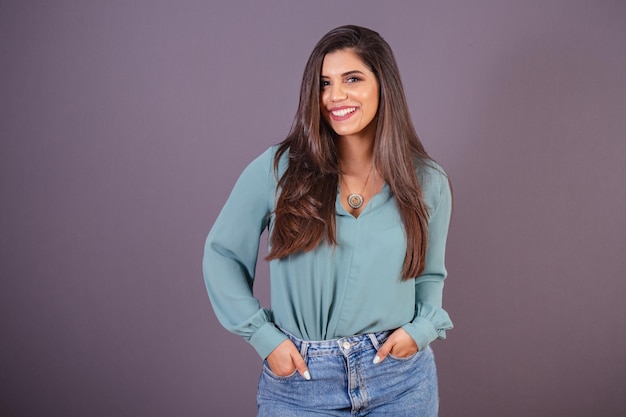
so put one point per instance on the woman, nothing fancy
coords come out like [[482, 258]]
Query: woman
[[358, 217]]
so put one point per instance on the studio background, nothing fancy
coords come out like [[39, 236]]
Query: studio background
[[124, 125]]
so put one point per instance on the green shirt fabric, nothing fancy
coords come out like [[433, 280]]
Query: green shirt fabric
[[330, 292]]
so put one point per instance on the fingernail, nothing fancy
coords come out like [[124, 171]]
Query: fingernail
[[307, 375], [376, 359]]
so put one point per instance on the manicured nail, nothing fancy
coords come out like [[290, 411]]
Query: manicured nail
[[376, 359], [307, 375]]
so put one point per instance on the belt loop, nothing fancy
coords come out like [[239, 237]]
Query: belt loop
[[374, 340], [304, 348]]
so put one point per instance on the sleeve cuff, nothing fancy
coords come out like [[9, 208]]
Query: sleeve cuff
[[266, 338], [422, 331]]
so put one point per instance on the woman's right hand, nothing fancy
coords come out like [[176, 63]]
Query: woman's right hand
[[285, 359]]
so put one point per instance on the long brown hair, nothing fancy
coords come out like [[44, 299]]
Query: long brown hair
[[305, 209]]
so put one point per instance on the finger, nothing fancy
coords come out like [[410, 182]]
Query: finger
[[280, 359], [301, 366], [383, 352]]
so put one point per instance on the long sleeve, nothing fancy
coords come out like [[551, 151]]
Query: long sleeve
[[431, 321], [230, 256]]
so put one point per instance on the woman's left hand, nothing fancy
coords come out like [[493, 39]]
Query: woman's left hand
[[399, 344]]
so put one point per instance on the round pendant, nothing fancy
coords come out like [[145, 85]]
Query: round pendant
[[355, 200]]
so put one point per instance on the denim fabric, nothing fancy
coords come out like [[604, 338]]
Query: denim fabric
[[345, 382]]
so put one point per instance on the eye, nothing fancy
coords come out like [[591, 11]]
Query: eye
[[352, 79], [324, 83]]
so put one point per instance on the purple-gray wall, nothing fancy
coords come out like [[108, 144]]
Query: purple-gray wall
[[123, 126]]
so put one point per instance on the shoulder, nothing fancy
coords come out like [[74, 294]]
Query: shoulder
[[259, 173], [434, 182], [262, 168], [268, 158], [431, 175], [263, 163]]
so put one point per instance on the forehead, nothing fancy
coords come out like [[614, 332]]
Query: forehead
[[342, 61]]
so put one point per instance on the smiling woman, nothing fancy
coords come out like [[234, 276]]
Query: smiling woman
[[349, 101], [357, 277]]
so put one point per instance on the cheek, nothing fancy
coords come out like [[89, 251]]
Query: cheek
[[373, 95], [324, 98], [368, 98], [372, 102]]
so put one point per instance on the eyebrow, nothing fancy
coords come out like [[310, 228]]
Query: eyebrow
[[345, 74]]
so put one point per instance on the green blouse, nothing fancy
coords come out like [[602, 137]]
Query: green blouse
[[330, 292]]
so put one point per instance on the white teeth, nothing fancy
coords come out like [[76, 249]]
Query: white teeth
[[343, 112]]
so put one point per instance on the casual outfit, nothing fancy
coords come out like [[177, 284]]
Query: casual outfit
[[332, 295]]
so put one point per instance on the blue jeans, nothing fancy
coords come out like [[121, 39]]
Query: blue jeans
[[345, 382]]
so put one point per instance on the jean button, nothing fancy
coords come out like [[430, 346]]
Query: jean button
[[346, 345]]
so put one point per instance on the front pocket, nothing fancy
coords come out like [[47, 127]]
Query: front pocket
[[407, 358], [267, 370]]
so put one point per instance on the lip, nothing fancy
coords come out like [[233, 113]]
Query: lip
[[337, 118]]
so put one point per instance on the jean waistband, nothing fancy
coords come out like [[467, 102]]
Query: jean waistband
[[341, 346]]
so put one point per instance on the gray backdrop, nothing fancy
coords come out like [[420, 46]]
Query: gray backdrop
[[124, 124]]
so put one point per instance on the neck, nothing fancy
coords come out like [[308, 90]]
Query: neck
[[355, 155]]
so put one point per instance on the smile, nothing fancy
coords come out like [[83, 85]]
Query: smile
[[343, 112]]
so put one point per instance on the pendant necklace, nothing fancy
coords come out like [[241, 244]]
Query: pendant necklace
[[355, 200]]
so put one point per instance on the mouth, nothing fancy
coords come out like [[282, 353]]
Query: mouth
[[342, 113]]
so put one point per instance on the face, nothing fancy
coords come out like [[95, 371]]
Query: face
[[348, 95]]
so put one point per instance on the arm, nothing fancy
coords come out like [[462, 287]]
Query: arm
[[431, 321], [230, 256]]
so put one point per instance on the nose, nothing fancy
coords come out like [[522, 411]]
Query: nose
[[338, 92]]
